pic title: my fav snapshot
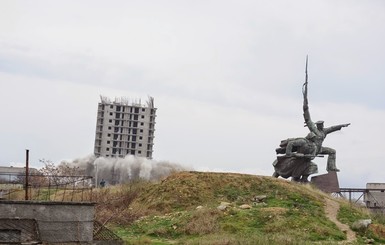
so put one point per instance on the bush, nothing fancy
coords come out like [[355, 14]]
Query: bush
[[203, 221], [114, 203]]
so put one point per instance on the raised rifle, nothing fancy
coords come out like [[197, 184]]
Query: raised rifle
[[304, 86], [304, 92]]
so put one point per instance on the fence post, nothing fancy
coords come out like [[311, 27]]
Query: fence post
[[26, 173]]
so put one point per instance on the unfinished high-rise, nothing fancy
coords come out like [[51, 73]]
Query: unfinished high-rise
[[125, 127]]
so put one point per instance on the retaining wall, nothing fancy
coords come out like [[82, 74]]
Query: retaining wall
[[58, 222]]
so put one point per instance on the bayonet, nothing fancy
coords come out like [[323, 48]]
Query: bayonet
[[304, 87], [304, 92]]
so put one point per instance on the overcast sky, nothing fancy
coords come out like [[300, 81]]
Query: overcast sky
[[226, 77]]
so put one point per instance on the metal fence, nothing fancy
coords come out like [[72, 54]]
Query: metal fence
[[25, 231], [50, 188], [101, 233], [46, 188], [17, 231]]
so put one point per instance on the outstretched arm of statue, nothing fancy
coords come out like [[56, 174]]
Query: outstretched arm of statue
[[306, 113], [335, 128]]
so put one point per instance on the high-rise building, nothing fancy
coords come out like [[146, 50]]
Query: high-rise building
[[125, 127]]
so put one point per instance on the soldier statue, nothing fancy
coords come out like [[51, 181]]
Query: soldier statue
[[299, 152], [320, 131]]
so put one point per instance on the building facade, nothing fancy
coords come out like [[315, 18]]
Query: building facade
[[375, 196], [125, 127]]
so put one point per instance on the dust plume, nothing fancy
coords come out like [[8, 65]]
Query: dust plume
[[122, 170]]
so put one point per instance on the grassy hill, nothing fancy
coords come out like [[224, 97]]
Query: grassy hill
[[225, 208]]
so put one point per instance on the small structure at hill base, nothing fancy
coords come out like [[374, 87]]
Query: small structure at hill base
[[327, 182], [55, 209], [37, 222], [298, 153]]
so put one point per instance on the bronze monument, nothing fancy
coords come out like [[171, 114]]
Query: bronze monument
[[298, 153]]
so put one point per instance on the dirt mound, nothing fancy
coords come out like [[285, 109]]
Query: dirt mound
[[186, 204], [186, 190]]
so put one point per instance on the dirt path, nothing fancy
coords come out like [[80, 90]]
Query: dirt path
[[331, 210]]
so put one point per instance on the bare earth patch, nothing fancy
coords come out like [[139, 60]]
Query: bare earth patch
[[275, 210], [331, 210]]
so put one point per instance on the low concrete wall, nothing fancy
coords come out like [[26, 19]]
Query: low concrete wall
[[57, 221]]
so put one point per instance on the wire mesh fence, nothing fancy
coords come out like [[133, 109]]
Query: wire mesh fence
[[67, 188], [50, 188], [101, 233], [26, 231], [17, 231]]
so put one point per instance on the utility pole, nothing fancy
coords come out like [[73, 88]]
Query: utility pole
[[26, 173]]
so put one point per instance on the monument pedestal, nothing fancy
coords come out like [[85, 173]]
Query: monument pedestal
[[326, 182]]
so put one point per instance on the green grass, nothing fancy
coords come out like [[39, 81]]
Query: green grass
[[350, 213], [296, 223], [166, 212]]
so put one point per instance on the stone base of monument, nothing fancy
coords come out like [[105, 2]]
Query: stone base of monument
[[327, 182]]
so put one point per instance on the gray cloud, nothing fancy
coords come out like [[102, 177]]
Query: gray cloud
[[226, 77]]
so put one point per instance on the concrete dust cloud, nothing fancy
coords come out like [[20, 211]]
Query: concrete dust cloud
[[122, 170]]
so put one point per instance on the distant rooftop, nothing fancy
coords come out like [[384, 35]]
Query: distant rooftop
[[15, 170], [128, 101]]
